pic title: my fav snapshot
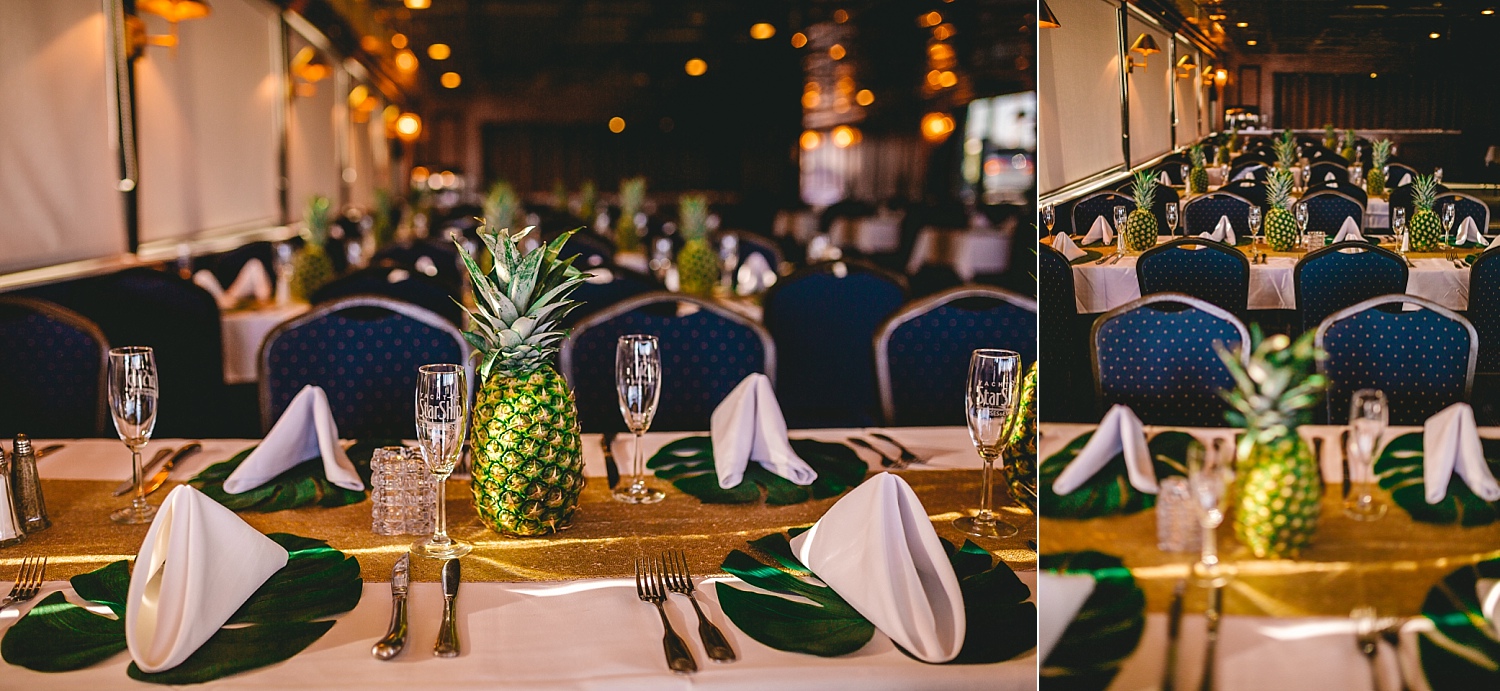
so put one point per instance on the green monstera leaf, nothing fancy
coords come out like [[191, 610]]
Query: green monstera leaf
[[1001, 623], [304, 484], [287, 614], [1107, 629], [689, 464], [1109, 492], [1462, 652], [1399, 471]]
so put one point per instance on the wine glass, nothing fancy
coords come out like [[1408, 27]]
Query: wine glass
[[1209, 478], [1254, 226], [1049, 217], [132, 404], [1120, 215], [1301, 214], [1172, 217], [990, 404], [1368, 415], [442, 392], [638, 381]]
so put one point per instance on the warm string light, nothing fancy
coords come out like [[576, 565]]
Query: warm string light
[[762, 31], [617, 125], [439, 51], [451, 80], [695, 67]]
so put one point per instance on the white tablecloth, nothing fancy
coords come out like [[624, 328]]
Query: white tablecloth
[[244, 331], [870, 235], [969, 252]]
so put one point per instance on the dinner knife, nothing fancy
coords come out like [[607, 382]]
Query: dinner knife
[[49, 449], [1344, 449], [129, 484], [395, 638], [166, 469], [1174, 634], [447, 641], [1214, 614], [611, 470]]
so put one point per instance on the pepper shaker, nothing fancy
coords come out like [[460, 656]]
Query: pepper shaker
[[26, 487], [11, 531]]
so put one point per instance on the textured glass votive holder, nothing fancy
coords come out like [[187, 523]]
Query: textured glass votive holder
[[1177, 528], [403, 494]]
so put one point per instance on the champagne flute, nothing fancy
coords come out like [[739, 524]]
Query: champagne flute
[[1172, 217], [1449, 216], [990, 404], [442, 391], [1049, 217], [1209, 477], [638, 382], [1301, 214], [1368, 415], [1120, 214], [1184, 171], [1398, 223], [132, 404], [1254, 228], [1437, 175]]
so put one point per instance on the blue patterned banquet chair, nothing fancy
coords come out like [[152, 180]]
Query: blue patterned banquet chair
[[52, 366], [399, 284], [1059, 342], [1207, 270], [1098, 204], [823, 318], [1394, 172], [1321, 170], [1201, 214], [1253, 168], [1326, 211], [706, 350], [1172, 166], [754, 243], [1253, 190], [364, 352], [1156, 355], [1345, 187], [590, 249], [1423, 359], [922, 351], [1484, 308], [437, 259], [1322, 154], [1339, 275], [1465, 206], [607, 286]]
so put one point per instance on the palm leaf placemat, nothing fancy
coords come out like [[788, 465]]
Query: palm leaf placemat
[[1109, 492], [689, 464], [305, 484], [1399, 471], [1107, 629], [1462, 651]]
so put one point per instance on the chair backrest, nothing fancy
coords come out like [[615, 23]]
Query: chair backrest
[[1322, 154], [1329, 279], [226, 267], [1172, 166], [364, 352], [590, 249], [922, 351], [1423, 359], [1396, 172], [1465, 206], [1156, 355], [1326, 211], [1341, 186], [754, 243], [400, 284], [1327, 171], [52, 367], [824, 318], [1254, 168], [1098, 204], [1059, 340], [1484, 307], [1252, 190], [1208, 270], [1201, 214], [608, 286], [706, 350], [441, 253]]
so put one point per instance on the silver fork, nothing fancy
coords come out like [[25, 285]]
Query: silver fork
[[1367, 639], [28, 581], [680, 580], [650, 588], [906, 454]]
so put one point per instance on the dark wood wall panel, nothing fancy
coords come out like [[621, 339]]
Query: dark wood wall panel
[[1356, 100]]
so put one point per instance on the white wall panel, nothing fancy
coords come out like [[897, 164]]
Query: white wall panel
[[1150, 97], [1078, 89]]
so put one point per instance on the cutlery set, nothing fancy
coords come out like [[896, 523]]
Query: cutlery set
[[154, 482], [654, 579], [28, 582], [904, 458], [395, 638]]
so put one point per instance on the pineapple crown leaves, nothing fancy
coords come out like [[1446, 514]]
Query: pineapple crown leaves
[[1277, 388], [1195, 155], [317, 218], [520, 303], [1329, 130], [1143, 188], [1349, 139], [1381, 153], [692, 213], [500, 205], [1424, 192], [632, 194], [1286, 151], [1279, 188]]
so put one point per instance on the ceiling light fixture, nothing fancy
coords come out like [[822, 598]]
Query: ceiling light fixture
[[418, 4], [695, 67], [1242, 25], [799, 39], [439, 51], [451, 80], [762, 31], [1434, 35], [1252, 42], [617, 125]]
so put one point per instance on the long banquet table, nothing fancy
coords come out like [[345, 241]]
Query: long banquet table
[[1287, 623], [557, 612]]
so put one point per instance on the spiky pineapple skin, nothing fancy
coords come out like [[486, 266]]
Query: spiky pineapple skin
[[1425, 230], [1281, 230], [697, 268], [1280, 492], [1018, 463], [1198, 179], [526, 452], [311, 270], [1140, 230], [1375, 182]]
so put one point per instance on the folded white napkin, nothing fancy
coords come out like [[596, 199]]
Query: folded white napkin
[[1244, 174], [1489, 601], [1063, 243], [1101, 231], [1468, 231], [1164, 178], [748, 426], [1494, 243], [1450, 443], [1120, 431], [252, 281], [1349, 230], [1063, 595], [1329, 176], [1223, 231], [878, 550], [1405, 180], [755, 275], [306, 429], [198, 564]]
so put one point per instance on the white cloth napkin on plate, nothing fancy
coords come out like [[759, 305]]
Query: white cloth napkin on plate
[[755, 275], [1405, 180], [198, 564], [1223, 231], [1450, 443], [1120, 431], [1063, 595], [1063, 243], [878, 550], [1100, 231], [252, 281], [748, 426], [1468, 231], [1349, 230], [1164, 179], [306, 429]]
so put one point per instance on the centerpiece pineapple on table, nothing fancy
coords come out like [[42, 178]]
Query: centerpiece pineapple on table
[[1280, 225], [1279, 486], [526, 453], [632, 196], [697, 264], [1424, 228], [1286, 152], [1380, 155], [1019, 462], [1140, 225], [1330, 136], [1197, 173], [1348, 151], [311, 267]]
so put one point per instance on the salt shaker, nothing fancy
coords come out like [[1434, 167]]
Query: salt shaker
[[1177, 528], [11, 531], [26, 487]]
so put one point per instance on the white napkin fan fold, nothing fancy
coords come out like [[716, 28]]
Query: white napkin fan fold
[[1450, 444], [1120, 431], [1100, 231], [748, 426], [1349, 230], [305, 430], [1064, 244], [252, 282], [1223, 231]]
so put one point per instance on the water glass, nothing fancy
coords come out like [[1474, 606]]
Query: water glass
[[442, 406], [1368, 416], [1316, 240], [403, 495], [990, 406], [638, 383], [132, 405]]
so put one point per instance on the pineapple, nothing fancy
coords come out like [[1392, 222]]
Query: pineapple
[[1197, 175], [501, 205], [1375, 178], [1286, 151], [1280, 226], [311, 267], [632, 194], [1140, 226], [1348, 151], [527, 455], [1423, 227], [1018, 464], [1278, 482], [1330, 136], [697, 265], [588, 198]]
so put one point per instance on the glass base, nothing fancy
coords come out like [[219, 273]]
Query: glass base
[[639, 493], [445, 549], [1212, 575], [1364, 509], [979, 526], [134, 514]]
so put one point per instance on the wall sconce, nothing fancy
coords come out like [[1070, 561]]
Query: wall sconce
[[173, 11], [408, 127], [1221, 77], [1145, 45], [310, 68], [1185, 67], [1045, 19]]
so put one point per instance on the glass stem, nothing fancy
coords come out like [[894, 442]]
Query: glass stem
[[636, 464], [440, 533], [1210, 545], [140, 478], [986, 491]]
